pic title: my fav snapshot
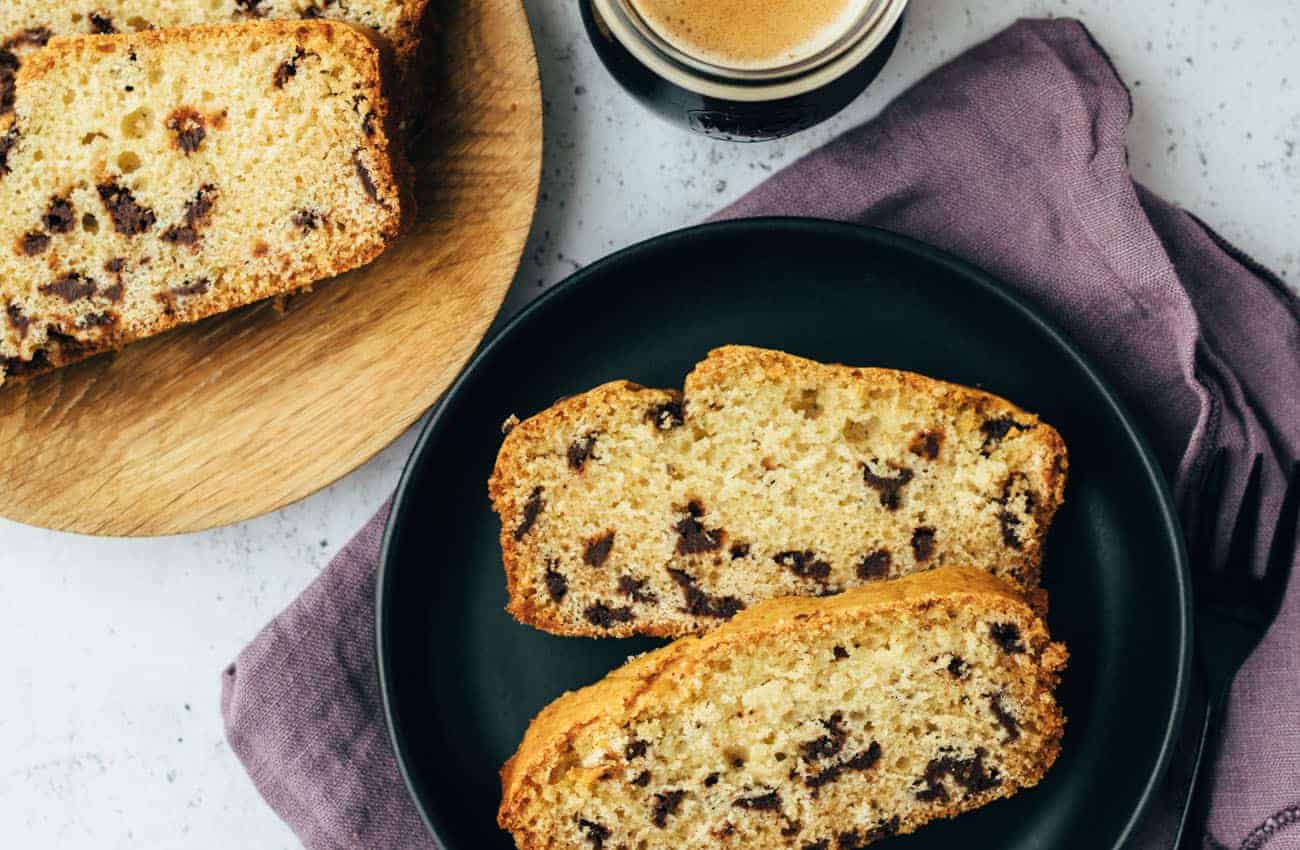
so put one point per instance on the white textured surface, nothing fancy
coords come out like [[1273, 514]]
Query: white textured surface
[[110, 650]]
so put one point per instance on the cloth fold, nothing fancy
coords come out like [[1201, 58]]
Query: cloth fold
[[1011, 156]]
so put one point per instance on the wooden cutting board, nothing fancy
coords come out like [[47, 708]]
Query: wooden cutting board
[[244, 413]]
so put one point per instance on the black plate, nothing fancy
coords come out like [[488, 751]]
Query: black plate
[[461, 679]]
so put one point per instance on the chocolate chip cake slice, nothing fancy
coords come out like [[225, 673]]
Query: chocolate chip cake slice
[[810, 724], [26, 25], [628, 510], [156, 178]]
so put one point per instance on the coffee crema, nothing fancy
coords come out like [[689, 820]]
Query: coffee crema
[[750, 34]]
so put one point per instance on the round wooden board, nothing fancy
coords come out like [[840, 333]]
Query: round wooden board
[[246, 412]]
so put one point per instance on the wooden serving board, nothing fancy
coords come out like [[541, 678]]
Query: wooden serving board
[[244, 413]]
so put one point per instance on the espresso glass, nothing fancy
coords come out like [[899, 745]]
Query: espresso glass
[[735, 104]]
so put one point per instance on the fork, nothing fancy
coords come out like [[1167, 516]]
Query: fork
[[1234, 609]]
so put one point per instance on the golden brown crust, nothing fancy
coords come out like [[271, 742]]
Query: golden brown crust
[[652, 680], [510, 475], [380, 150]]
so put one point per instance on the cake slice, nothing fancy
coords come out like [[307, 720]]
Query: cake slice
[[26, 25], [627, 510], [803, 723], [156, 178]]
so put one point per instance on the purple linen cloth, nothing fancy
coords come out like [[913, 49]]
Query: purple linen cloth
[[1013, 157]]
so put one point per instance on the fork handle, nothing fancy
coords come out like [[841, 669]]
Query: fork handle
[[1196, 806]]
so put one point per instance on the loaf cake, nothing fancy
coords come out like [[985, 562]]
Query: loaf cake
[[627, 510], [156, 178], [26, 25], [804, 723]]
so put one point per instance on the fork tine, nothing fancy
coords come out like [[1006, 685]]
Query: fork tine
[[1282, 552], [1207, 511], [1241, 545]]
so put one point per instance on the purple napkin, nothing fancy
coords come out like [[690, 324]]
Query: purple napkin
[[1013, 157]]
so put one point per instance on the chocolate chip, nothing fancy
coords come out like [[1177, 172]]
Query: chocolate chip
[[956, 666], [710, 780], [33, 243], [99, 320], [970, 774], [1005, 718], [580, 450], [727, 830], [600, 614], [596, 833], [113, 293], [839, 652], [191, 287], [31, 37], [101, 23], [129, 217], [312, 12], [923, 543], [633, 589], [1009, 522], [739, 550], [804, 564], [59, 216], [817, 845], [994, 430], [927, 444], [250, 7], [888, 487], [642, 779], [1007, 637], [665, 804], [306, 220], [597, 551], [115, 265], [769, 802], [828, 745], [737, 762], [189, 127], [864, 760], [635, 749], [701, 604], [283, 74], [367, 182], [692, 537], [792, 828], [8, 88], [70, 287], [875, 565], [9, 139], [368, 123], [181, 235], [666, 416], [532, 508], [18, 320], [556, 584]]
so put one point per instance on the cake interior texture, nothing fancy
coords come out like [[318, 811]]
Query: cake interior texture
[[806, 724], [153, 179], [630, 510]]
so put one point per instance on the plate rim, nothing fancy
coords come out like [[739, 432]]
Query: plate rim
[[970, 272]]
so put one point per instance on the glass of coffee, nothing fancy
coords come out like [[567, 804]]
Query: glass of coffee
[[745, 70]]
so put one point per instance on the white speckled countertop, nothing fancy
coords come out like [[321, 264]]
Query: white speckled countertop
[[111, 650]]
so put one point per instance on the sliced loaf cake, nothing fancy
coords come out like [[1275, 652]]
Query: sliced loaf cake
[[26, 25], [627, 510], [156, 178], [807, 724]]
